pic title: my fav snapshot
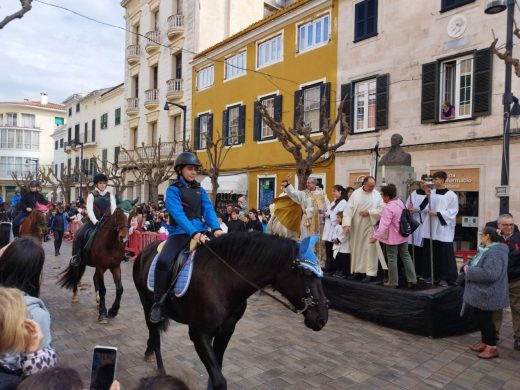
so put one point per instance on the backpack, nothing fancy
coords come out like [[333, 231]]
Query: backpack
[[407, 225]]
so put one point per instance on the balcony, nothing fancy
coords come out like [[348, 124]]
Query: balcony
[[175, 26], [133, 53], [174, 89], [151, 99], [67, 147], [139, 154], [132, 106], [153, 42]]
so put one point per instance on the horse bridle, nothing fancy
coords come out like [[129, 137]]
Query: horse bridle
[[116, 227], [308, 300]]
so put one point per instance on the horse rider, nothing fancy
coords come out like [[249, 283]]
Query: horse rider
[[187, 204], [14, 202], [27, 204], [100, 204]]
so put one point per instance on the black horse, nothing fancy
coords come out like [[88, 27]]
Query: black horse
[[217, 296]]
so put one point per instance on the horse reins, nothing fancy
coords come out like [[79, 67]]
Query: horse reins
[[308, 301]]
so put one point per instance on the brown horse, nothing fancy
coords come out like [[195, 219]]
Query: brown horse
[[36, 223], [107, 252]]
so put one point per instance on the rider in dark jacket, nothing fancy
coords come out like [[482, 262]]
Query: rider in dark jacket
[[187, 204], [27, 204], [100, 204]]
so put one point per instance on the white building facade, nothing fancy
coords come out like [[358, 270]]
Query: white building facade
[[25, 138], [398, 62]]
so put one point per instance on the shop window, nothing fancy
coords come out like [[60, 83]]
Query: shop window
[[266, 193]]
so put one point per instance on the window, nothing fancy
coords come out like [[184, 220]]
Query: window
[[314, 34], [235, 66], [117, 150], [56, 170], [205, 77], [28, 120], [76, 134], [462, 83], [56, 145], [69, 136], [233, 125], [310, 99], [203, 130], [365, 104], [266, 192], [104, 121], [118, 116], [70, 111], [59, 121], [447, 5], [178, 65], [365, 24], [19, 139], [456, 88], [273, 105], [77, 107], [85, 135], [61, 142], [270, 51], [11, 119]]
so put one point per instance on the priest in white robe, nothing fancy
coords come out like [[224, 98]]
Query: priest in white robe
[[364, 206], [310, 223], [439, 226]]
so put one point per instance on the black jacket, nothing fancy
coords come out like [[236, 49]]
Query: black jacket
[[30, 198], [513, 267], [235, 226]]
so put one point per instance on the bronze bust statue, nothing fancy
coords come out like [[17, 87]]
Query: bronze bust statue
[[396, 155]]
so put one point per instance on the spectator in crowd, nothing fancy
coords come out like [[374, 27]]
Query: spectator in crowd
[[254, 223], [56, 378], [13, 204], [162, 382], [364, 205], [340, 249], [486, 289], [416, 203], [443, 206], [349, 191], [388, 233], [229, 209], [338, 204], [264, 220], [235, 224], [223, 226], [244, 218], [58, 225], [21, 341]]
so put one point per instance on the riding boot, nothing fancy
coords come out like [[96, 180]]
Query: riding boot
[[160, 294]]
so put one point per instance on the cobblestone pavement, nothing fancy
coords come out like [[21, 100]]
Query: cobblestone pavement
[[271, 348]]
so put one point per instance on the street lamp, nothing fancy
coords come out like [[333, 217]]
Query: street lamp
[[74, 145], [494, 7], [183, 108]]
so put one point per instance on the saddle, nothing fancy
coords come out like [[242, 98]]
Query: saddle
[[181, 270]]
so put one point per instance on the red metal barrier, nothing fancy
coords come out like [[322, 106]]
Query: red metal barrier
[[139, 240], [465, 254]]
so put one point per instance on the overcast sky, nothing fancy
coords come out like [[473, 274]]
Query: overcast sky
[[54, 51]]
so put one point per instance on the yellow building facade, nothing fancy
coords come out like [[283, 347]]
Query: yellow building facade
[[288, 57]]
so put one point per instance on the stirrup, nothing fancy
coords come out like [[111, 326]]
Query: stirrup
[[75, 260], [155, 317]]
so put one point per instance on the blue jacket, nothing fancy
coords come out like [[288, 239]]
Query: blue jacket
[[184, 225], [53, 221], [15, 199]]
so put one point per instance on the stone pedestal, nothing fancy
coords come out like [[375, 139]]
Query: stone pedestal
[[400, 175]]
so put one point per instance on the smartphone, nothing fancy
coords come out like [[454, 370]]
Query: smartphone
[[103, 372]]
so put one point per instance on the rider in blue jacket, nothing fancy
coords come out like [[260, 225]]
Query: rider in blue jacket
[[187, 204]]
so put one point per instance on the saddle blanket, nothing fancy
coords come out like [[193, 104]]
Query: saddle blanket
[[183, 280]]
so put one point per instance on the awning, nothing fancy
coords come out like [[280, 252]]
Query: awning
[[229, 184]]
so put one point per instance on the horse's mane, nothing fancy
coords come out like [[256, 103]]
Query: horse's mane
[[253, 249]]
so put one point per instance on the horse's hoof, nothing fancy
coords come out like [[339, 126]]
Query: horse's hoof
[[97, 298], [112, 313], [102, 319], [149, 357], [74, 300]]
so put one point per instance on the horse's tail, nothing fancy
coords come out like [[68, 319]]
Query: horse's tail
[[71, 276]]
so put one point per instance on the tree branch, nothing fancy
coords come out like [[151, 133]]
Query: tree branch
[[26, 7]]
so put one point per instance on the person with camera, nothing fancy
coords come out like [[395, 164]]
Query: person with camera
[[192, 214], [486, 289]]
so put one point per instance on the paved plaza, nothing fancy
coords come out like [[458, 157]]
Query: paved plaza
[[271, 348]]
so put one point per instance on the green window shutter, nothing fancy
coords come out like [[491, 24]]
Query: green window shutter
[[277, 108], [346, 98], [382, 83], [241, 124], [210, 127], [430, 93], [482, 75]]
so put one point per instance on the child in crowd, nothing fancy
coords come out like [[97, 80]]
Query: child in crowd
[[340, 249]]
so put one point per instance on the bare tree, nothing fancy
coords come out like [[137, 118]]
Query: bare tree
[[307, 148], [152, 164], [23, 179], [26, 7], [64, 181], [217, 149]]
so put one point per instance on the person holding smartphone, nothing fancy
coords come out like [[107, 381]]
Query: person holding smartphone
[[191, 213]]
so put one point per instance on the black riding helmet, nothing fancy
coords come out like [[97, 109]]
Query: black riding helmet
[[100, 177], [34, 183], [185, 158]]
